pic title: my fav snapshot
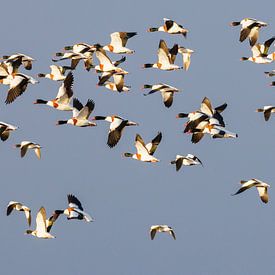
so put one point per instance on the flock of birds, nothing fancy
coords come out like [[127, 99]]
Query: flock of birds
[[205, 120]]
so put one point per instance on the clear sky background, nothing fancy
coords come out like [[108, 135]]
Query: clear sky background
[[216, 233]]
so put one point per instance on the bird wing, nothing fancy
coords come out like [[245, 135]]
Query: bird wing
[[4, 135], [17, 90], [186, 57], [115, 132], [163, 54], [74, 202], [56, 70], [168, 24], [86, 110], [152, 146], [102, 57], [246, 185], [41, 220], [65, 90], [104, 77], [27, 212], [52, 220], [206, 107], [77, 107], [267, 44], [11, 206], [38, 152], [256, 50], [153, 233], [119, 81], [172, 233], [140, 146], [117, 39], [24, 149], [263, 193], [86, 216], [167, 97]]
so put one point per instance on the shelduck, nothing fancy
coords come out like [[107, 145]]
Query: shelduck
[[161, 228], [165, 59], [188, 160], [260, 185], [14, 205], [25, 145], [170, 27], [250, 29], [167, 92], [57, 73], [80, 114], [18, 85], [145, 152], [75, 210], [118, 42], [117, 125], [267, 110], [41, 226], [5, 130], [260, 53], [63, 97]]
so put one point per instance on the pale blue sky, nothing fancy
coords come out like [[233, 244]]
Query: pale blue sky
[[216, 233]]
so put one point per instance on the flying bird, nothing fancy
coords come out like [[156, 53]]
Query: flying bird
[[63, 97], [250, 29], [117, 125], [25, 145], [165, 58], [167, 92], [118, 42], [260, 185], [80, 114], [188, 160], [41, 226], [57, 73], [170, 27], [75, 210], [161, 228], [145, 152], [14, 205]]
